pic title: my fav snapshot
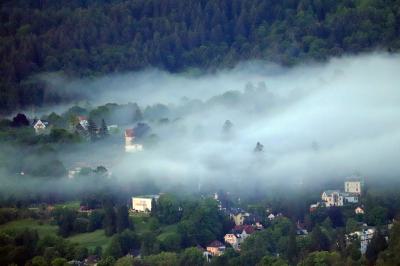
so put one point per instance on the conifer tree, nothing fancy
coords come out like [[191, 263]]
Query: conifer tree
[[103, 131], [138, 115], [122, 218], [92, 129], [259, 147], [226, 128], [109, 220]]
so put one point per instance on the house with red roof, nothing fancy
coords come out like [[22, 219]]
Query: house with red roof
[[216, 248], [130, 145], [238, 234]]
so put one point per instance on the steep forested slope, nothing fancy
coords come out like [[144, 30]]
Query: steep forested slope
[[89, 37]]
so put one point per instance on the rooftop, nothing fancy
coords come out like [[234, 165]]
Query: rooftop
[[147, 197], [129, 132], [216, 244]]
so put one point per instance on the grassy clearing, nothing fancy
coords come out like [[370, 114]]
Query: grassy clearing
[[43, 229], [91, 240], [142, 224]]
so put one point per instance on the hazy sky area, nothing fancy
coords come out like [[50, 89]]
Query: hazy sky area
[[316, 121]]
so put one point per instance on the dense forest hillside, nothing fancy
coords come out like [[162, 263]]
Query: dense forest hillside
[[91, 37]]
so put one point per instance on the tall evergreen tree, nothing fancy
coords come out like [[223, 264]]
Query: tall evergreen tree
[[259, 147], [154, 207], [92, 129], [122, 222], [319, 241], [377, 244], [138, 115], [103, 131], [109, 221], [227, 127], [292, 246]]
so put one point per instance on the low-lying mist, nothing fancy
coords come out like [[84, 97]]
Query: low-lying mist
[[317, 122]]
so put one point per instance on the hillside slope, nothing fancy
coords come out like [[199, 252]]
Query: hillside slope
[[88, 37]]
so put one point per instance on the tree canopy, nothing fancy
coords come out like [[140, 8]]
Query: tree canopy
[[86, 38]]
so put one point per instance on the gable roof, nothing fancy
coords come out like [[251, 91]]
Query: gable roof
[[216, 244], [129, 132], [238, 229], [36, 121], [330, 192]]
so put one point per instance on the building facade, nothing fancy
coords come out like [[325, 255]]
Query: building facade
[[130, 145], [216, 248], [352, 187], [143, 203], [332, 198]]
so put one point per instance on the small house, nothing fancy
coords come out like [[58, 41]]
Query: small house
[[216, 248], [40, 126]]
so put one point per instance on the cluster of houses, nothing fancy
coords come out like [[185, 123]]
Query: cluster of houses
[[247, 223], [43, 127], [350, 195], [365, 235], [82, 128], [353, 189]]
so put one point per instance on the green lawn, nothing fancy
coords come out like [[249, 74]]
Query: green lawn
[[141, 224], [19, 225], [91, 240]]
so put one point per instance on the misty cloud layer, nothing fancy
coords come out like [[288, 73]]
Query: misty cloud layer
[[316, 122]]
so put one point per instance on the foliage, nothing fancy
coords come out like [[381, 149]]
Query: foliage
[[191, 256], [162, 259], [391, 256], [377, 244], [176, 35], [322, 258], [272, 261], [122, 218]]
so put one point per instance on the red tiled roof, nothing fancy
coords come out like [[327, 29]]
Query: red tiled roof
[[129, 133], [247, 228], [215, 244], [82, 117]]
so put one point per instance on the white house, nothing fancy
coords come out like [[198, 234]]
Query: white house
[[350, 197], [271, 217], [365, 236], [352, 186], [130, 145], [74, 172], [143, 203], [83, 122], [113, 129], [40, 126], [332, 198]]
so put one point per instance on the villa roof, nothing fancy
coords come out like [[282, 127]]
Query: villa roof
[[129, 132], [240, 228], [216, 244], [330, 192]]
